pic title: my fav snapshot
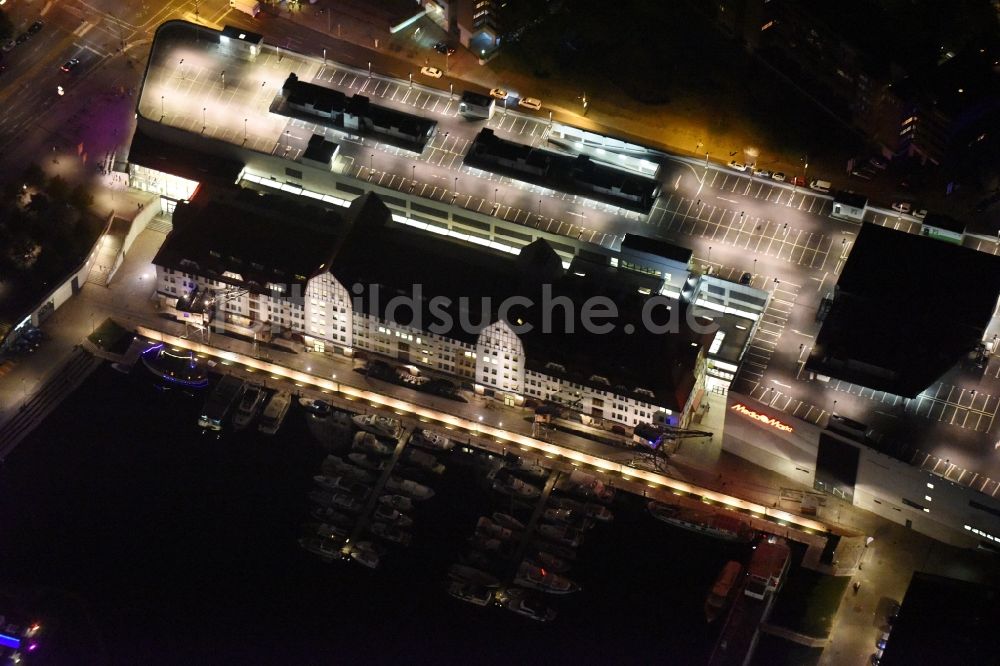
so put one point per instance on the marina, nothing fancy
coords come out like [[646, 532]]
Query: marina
[[257, 532]]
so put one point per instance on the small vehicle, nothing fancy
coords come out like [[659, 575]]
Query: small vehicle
[[70, 64], [432, 72], [498, 93], [820, 185], [8, 45], [762, 173], [745, 278], [530, 103], [36, 27], [902, 206], [22, 38], [444, 48], [920, 214], [778, 176], [863, 175], [797, 181], [739, 166]]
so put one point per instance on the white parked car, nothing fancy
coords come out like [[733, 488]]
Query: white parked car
[[739, 166], [902, 206], [762, 173], [920, 214], [530, 103], [498, 93], [432, 72], [778, 176]]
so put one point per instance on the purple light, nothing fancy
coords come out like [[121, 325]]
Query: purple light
[[31, 648]]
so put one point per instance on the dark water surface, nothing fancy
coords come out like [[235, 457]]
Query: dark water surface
[[152, 543]]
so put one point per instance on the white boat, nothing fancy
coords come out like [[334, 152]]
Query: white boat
[[326, 548], [367, 443], [508, 521], [549, 561], [522, 603], [366, 462], [392, 516], [318, 408], [341, 483], [472, 575], [561, 534], [378, 425], [365, 556], [417, 491], [398, 502], [274, 412], [424, 461], [390, 533], [470, 592], [539, 578], [488, 528], [332, 516], [515, 487], [250, 404], [334, 465], [429, 439]]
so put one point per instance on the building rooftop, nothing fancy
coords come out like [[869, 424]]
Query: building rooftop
[[260, 239], [852, 199], [945, 222], [945, 621], [655, 246], [378, 252], [907, 308]]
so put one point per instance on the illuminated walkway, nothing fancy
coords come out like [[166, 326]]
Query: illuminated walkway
[[640, 481]]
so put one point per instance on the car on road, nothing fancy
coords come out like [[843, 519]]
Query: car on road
[[778, 176], [432, 72], [35, 27], [70, 64], [902, 206], [8, 45], [444, 48], [23, 37], [762, 173], [532, 103], [498, 93], [862, 174], [739, 166]]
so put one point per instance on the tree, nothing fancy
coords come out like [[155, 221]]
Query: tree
[[33, 176], [81, 198]]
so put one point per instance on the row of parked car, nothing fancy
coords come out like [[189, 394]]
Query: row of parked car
[[32, 30], [27, 341]]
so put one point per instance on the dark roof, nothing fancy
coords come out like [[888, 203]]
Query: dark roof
[[263, 239], [319, 149], [321, 98], [852, 199], [660, 248], [906, 309], [242, 35], [944, 621], [945, 222], [397, 258], [183, 161]]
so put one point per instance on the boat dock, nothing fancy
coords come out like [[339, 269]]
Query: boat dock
[[365, 518], [536, 515]]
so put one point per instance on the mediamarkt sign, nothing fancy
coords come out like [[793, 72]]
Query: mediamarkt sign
[[757, 416]]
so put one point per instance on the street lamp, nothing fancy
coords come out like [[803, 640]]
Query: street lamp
[[413, 172], [411, 79], [244, 130], [204, 118], [223, 75], [496, 191], [161, 109]]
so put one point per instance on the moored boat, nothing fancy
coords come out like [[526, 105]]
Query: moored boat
[[424, 461], [250, 404], [378, 425], [530, 575], [523, 603], [417, 491], [366, 462], [547, 560], [715, 525], [488, 528], [508, 521], [327, 549], [366, 442], [274, 412], [341, 483], [515, 487], [390, 533], [470, 592], [722, 590], [332, 516], [434, 441], [398, 502], [392, 516], [561, 534], [473, 575]]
